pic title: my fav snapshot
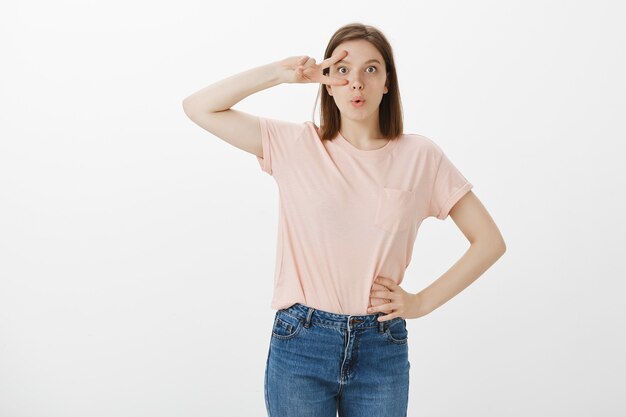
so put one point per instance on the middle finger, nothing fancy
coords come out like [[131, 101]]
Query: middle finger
[[381, 294], [333, 58]]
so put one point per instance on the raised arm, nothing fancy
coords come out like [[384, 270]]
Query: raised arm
[[210, 107]]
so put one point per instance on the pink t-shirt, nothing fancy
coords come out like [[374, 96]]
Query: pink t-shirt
[[347, 215]]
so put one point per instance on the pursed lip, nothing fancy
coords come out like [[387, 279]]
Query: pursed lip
[[360, 98]]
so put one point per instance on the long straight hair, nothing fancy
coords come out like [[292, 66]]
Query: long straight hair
[[390, 108]]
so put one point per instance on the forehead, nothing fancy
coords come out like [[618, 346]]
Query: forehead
[[359, 51]]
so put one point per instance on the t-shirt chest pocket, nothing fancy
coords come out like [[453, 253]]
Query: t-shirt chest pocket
[[396, 210]]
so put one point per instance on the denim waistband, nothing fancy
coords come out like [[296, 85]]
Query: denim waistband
[[314, 315]]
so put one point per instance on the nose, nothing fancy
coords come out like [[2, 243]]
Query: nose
[[356, 83]]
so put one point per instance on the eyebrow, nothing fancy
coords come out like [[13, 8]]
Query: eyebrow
[[367, 62]]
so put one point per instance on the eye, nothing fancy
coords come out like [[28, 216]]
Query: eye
[[371, 72]]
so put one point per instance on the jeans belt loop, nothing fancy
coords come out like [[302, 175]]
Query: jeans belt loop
[[307, 321]]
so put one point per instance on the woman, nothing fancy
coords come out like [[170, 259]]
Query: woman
[[353, 193]]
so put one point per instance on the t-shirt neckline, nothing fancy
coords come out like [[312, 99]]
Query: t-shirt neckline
[[344, 143]]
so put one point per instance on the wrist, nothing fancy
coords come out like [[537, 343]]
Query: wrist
[[279, 73], [421, 307]]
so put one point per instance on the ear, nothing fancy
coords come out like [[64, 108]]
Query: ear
[[329, 89]]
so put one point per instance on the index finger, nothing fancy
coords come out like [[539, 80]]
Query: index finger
[[332, 59], [387, 282], [334, 81], [378, 287]]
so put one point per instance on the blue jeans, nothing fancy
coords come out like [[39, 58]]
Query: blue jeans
[[320, 363]]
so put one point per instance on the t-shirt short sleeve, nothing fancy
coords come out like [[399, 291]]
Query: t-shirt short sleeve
[[278, 138], [448, 188]]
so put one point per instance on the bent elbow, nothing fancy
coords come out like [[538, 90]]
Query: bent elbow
[[501, 245]]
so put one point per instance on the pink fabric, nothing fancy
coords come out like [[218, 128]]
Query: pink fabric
[[347, 215]]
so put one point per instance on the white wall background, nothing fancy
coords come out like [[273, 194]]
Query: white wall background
[[137, 250]]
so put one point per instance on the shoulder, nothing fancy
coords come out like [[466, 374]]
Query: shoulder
[[311, 127], [421, 144], [281, 129], [312, 132]]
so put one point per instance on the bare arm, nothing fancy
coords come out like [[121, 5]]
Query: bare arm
[[210, 107], [224, 94], [486, 247]]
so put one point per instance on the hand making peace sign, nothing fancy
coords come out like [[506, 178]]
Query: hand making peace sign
[[303, 69]]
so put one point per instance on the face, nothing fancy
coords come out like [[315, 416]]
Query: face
[[365, 77]]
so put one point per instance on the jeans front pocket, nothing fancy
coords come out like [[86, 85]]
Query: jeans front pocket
[[397, 332], [396, 210], [286, 326]]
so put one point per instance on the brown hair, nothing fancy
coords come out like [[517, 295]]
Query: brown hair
[[390, 108]]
